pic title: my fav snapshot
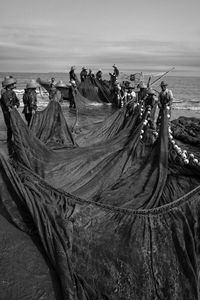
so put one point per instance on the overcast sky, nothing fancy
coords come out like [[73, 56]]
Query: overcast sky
[[52, 35]]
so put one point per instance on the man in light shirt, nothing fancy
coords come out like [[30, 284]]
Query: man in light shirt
[[165, 97]]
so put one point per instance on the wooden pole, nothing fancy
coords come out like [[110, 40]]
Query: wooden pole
[[162, 76]]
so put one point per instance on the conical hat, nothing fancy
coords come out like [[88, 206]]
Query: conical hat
[[9, 81], [32, 85]]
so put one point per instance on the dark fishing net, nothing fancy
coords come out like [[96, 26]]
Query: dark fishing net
[[106, 130], [137, 239], [112, 164], [51, 127], [98, 251], [104, 90], [89, 91], [81, 171], [88, 113], [186, 132]]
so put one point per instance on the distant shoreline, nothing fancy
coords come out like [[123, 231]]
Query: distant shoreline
[[106, 71]]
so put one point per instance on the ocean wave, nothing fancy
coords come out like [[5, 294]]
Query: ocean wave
[[21, 92], [194, 101], [177, 101], [186, 107]]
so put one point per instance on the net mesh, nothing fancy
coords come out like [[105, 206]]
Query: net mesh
[[115, 220]]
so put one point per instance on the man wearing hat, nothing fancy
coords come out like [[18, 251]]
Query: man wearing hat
[[151, 101], [130, 98], [8, 101], [165, 97], [91, 76], [99, 74], [72, 74], [142, 93], [58, 97], [30, 100], [115, 71], [83, 74], [3, 87], [72, 93], [117, 95], [52, 90]]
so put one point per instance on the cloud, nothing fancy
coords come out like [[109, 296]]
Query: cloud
[[43, 48]]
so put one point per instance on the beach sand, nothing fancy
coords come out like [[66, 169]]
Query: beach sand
[[176, 113]]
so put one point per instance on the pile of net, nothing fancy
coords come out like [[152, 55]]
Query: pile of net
[[128, 229], [187, 132]]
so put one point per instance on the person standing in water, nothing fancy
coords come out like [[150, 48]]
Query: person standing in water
[[165, 96]]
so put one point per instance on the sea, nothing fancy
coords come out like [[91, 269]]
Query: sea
[[186, 90]]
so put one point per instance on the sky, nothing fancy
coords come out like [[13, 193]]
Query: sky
[[53, 35]]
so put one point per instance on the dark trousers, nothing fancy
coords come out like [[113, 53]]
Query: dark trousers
[[72, 102], [28, 118], [6, 115]]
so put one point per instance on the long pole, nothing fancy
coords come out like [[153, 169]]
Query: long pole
[[162, 76]]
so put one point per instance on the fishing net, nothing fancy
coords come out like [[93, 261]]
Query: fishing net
[[82, 171], [187, 130], [51, 127], [104, 90], [187, 133], [115, 220], [88, 113], [106, 130], [89, 91], [101, 251]]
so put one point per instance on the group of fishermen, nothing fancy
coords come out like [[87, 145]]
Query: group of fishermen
[[84, 74], [9, 100], [123, 94]]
